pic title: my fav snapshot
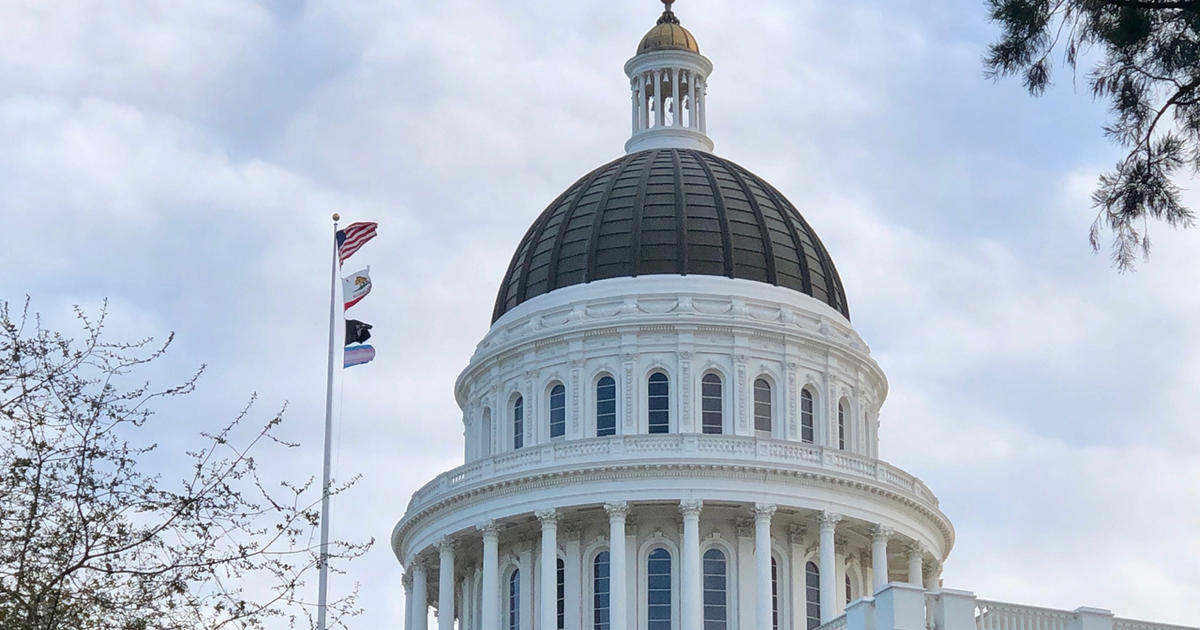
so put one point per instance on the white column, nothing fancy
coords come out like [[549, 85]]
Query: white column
[[489, 616], [573, 588], [549, 585], [915, 558], [828, 566], [745, 572], [658, 99], [692, 592], [633, 86], [677, 114], [762, 564], [525, 605], [466, 595], [799, 580], [691, 99], [420, 610], [616, 564], [446, 585], [408, 600], [702, 87], [879, 560]]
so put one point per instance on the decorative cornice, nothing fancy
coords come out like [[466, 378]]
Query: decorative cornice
[[640, 470]]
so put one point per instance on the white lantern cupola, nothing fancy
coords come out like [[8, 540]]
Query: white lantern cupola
[[668, 77]]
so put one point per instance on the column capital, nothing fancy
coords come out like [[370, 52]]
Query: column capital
[[617, 510], [829, 520], [488, 528], [690, 507], [549, 518], [407, 581], [445, 545], [915, 548], [764, 511], [880, 533], [797, 533], [570, 531]]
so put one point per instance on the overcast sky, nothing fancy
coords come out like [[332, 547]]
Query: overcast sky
[[182, 160]]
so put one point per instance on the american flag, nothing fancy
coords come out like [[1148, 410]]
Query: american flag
[[353, 238]]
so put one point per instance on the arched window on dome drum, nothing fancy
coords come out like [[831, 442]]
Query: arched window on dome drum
[[606, 407], [518, 421], [561, 594], [842, 425], [514, 600], [807, 422], [558, 411], [762, 407], [658, 590], [812, 595], [716, 591], [711, 404], [600, 591], [485, 434], [658, 392], [774, 595], [847, 588]]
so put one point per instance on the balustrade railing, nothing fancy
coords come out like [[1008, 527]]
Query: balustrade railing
[[636, 448], [1001, 616], [837, 623], [1133, 624]]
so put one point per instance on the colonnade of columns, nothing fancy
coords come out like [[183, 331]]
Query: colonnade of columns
[[484, 601], [650, 96]]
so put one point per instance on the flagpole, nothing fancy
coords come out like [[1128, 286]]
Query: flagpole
[[323, 563]]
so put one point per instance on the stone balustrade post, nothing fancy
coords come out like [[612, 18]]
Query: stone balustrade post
[[1087, 618], [900, 607], [860, 614], [954, 610]]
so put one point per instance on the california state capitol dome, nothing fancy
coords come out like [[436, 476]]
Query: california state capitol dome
[[671, 423]]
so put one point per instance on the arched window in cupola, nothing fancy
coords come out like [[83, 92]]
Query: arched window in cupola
[[606, 406], [812, 595], [485, 434], [842, 419], [716, 590], [762, 407], [711, 404], [807, 416], [600, 592], [518, 422], [658, 590], [558, 411], [514, 600], [658, 403]]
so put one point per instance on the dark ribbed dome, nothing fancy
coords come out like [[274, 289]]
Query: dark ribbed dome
[[670, 211]]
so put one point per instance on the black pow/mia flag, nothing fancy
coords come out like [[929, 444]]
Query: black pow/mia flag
[[356, 331]]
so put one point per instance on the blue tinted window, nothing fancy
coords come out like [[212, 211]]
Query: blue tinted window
[[519, 423], [658, 590], [606, 407], [600, 591], [716, 609], [658, 401], [558, 411], [806, 416], [710, 404]]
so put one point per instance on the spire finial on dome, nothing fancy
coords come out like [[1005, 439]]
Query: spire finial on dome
[[668, 17]]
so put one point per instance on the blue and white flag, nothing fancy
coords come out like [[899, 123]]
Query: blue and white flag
[[358, 355]]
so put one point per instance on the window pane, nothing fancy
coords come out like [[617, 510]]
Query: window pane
[[658, 403], [658, 590], [710, 404], [812, 595], [600, 591], [606, 407], [847, 589], [842, 425], [774, 596], [514, 601], [806, 416], [558, 411], [519, 423], [715, 590], [561, 594], [762, 405]]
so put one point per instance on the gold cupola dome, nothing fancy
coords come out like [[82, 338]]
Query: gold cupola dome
[[667, 34]]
